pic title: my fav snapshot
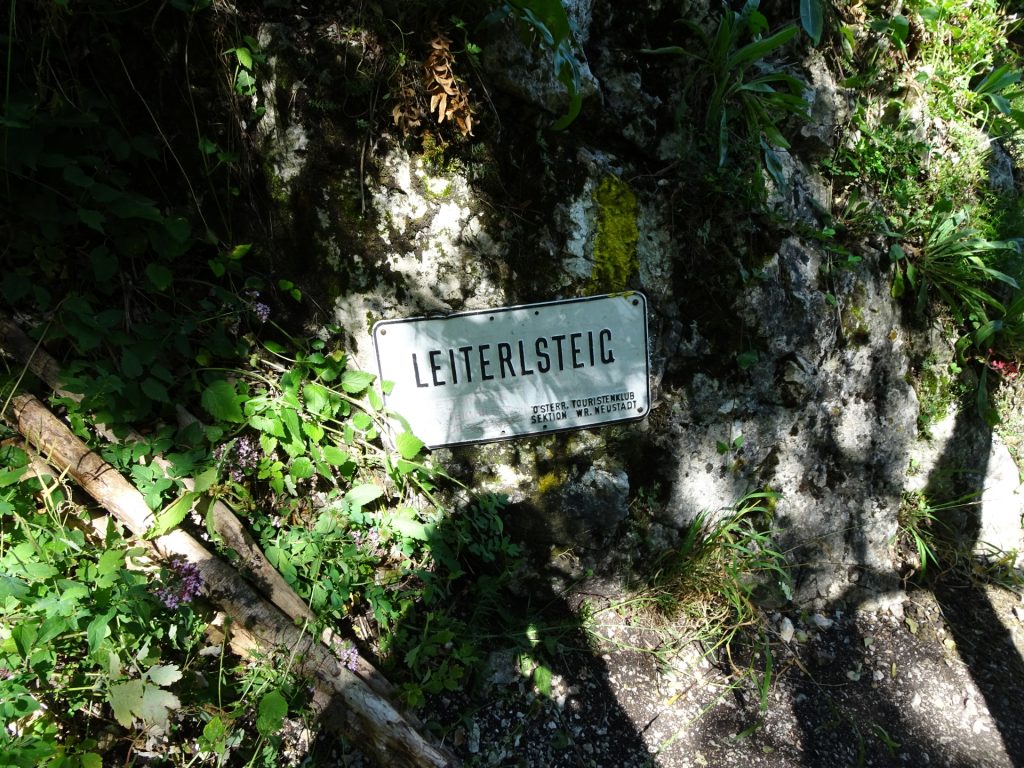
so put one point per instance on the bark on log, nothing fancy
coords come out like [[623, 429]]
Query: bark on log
[[255, 565], [367, 718]]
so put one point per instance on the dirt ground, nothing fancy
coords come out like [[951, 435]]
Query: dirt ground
[[938, 685]]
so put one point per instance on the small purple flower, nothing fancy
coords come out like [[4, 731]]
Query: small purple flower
[[182, 583], [262, 311], [240, 457], [347, 654]]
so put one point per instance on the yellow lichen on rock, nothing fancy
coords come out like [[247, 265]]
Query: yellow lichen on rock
[[615, 259]]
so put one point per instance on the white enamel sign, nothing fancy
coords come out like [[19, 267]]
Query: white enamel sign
[[497, 374]]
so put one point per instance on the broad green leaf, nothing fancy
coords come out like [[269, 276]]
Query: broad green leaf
[[316, 397], [290, 417], [335, 455], [163, 674], [272, 711], [178, 228], [376, 402], [361, 495], [24, 636], [542, 679], [104, 264], [238, 252], [412, 529], [747, 359], [155, 390], [408, 445], [812, 19], [406, 467], [125, 699], [156, 706], [160, 276], [898, 286], [761, 48], [92, 219], [267, 424], [131, 366], [73, 174], [90, 760], [98, 630], [221, 401], [313, 431], [301, 468], [171, 517], [205, 480], [244, 57], [214, 730], [355, 382], [11, 476], [12, 587]]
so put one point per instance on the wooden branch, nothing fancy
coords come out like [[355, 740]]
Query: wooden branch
[[370, 720], [255, 565]]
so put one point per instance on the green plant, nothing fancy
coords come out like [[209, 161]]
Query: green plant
[[916, 530], [938, 389], [742, 87], [958, 265], [551, 26], [720, 568], [82, 626], [812, 18]]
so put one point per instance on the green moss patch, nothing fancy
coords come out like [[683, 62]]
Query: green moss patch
[[615, 260]]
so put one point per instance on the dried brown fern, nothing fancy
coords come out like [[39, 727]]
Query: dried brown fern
[[449, 96]]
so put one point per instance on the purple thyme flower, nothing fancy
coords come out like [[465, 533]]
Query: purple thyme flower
[[182, 583], [347, 654], [240, 457]]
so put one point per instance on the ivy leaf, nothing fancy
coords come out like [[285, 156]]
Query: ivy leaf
[[221, 401], [355, 382], [408, 445], [272, 711]]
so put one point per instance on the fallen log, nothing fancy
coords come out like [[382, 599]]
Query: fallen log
[[342, 697], [255, 566]]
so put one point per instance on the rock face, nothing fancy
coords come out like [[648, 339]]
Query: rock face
[[775, 363]]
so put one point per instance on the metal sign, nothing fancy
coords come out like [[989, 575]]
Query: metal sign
[[496, 374]]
